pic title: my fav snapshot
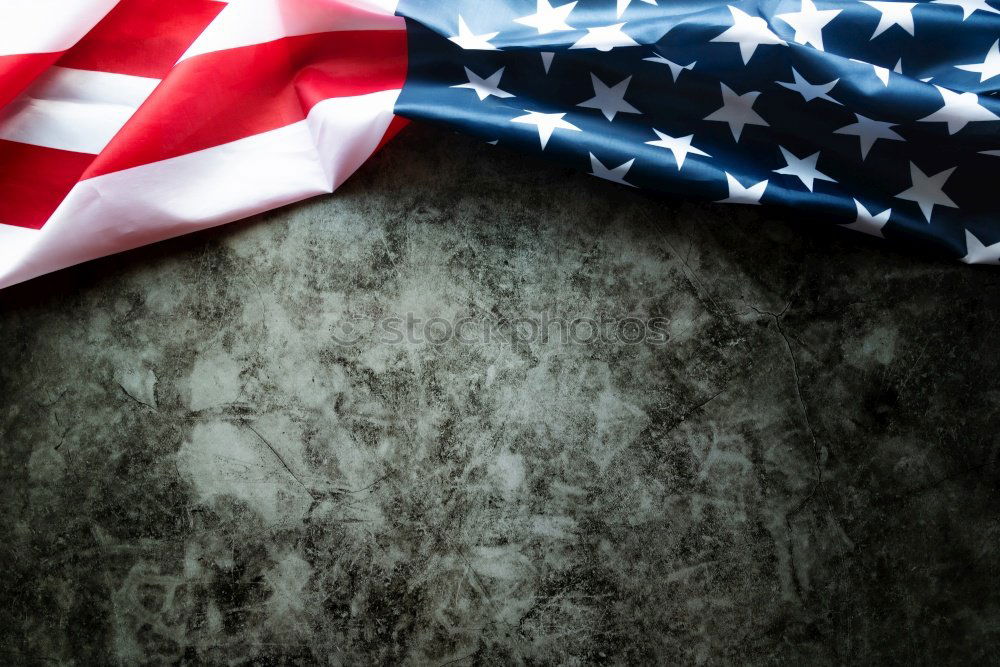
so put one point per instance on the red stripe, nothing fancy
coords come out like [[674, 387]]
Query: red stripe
[[228, 95], [35, 180], [16, 72], [142, 37]]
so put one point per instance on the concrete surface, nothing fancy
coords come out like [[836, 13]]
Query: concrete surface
[[195, 471]]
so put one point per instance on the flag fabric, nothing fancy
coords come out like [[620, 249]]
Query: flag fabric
[[169, 117], [123, 123]]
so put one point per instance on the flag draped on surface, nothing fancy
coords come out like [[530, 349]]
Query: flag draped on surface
[[123, 123]]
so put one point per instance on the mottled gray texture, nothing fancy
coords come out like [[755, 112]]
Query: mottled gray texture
[[194, 471]]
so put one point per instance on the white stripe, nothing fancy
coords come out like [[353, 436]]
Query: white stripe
[[126, 209], [387, 6], [347, 130], [47, 26], [74, 110], [247, 22], [14, 242], [80, 85]]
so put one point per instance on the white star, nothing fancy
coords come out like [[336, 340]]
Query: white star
[[868, 132], [547, 18], [469, 41], [866, 223], [485, 87], [809, 23], [749, 32], [804, 169], [675, 69], [680, 147], [623, 5], [737, 110], [547, 57], [881, 72], [546, 123], [968, 6], [810, 91], [959, 109], [741, 195], [990, 67], [893, 13], [927, 190], [993, 153], [611, 100], [604, 38], [978, 253], [616, 175]]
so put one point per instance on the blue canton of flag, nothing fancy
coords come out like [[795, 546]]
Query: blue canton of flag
[[879, 116]]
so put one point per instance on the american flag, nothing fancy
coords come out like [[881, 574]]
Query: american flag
[[123, 123]]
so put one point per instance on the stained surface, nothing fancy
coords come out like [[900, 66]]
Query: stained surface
[[805, 471]]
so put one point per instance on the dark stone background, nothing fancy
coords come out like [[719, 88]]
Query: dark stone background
[[194, 471]]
